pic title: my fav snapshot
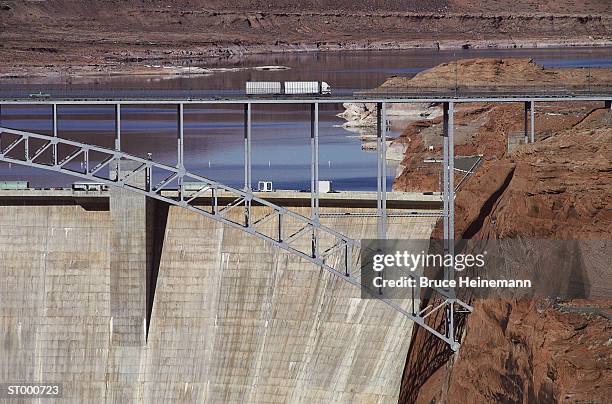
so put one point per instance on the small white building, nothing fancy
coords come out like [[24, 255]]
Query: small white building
[[264, 186], [324, 186]]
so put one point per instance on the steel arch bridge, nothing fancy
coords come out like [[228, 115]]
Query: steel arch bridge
[[326, 247], [330, 249]]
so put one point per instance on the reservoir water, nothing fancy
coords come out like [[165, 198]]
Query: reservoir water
[[214, 134]]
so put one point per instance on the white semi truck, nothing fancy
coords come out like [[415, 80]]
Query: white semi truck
[[287, 88]]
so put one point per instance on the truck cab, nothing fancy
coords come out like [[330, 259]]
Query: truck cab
[[325, 88]]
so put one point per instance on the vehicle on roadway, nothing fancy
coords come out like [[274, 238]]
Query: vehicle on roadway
[[40, 94], [287, 88]]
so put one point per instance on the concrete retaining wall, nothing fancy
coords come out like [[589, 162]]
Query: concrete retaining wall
[[233, 320]]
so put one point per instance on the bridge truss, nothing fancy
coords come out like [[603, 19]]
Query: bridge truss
[[329, 249]]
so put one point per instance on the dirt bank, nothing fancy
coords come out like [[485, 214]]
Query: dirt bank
[[490, 130], [535, 350], [558, 188], [73, 37], [507, 72]]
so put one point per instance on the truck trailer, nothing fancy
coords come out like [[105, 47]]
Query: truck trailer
[[287, 88]]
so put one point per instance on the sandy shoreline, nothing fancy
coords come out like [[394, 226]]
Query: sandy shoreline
[[161, 65], [69, 38]]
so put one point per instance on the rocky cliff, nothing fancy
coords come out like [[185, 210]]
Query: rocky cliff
[[538, 350], [559, 188]]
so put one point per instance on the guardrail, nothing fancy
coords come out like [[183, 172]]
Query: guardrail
[[55, 92], [536, 90]]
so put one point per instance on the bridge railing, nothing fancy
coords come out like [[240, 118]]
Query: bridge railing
[[493, 90], [535, 89]]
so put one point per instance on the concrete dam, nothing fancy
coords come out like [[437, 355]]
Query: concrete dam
[[126, 299]]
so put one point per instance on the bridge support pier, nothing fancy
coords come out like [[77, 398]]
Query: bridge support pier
[[180, 144], [529, 122], [381, 152], [314, 172], [248, 185], [448, 197], [608, 104], [247, 147], [448, 191], [532, 121], [54, 112], [117, 139]]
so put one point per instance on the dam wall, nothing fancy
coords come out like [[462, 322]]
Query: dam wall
[[233, 319]]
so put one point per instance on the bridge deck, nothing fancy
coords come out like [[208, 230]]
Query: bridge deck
[[370, 98]]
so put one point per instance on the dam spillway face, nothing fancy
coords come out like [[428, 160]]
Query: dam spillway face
[[164, 304]]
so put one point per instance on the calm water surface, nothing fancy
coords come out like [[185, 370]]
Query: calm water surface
[[281, 134]]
